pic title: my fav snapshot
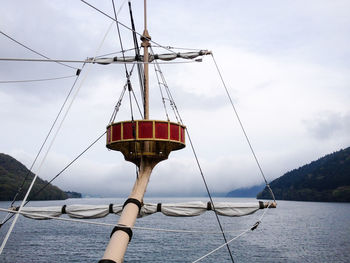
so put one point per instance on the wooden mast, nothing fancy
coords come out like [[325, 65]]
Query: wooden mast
[[145, 44], [121, 235]]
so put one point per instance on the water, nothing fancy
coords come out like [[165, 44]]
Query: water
[[294, 232]]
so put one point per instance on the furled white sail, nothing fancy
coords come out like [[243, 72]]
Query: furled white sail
[[164, 57], [172, 209]]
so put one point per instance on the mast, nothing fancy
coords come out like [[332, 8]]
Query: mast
[[145, 152]]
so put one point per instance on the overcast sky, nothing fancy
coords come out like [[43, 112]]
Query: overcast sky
[[286, 65]]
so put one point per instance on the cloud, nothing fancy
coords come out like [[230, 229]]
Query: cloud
[[328, 125]]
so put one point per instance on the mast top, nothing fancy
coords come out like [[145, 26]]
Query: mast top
[[145, 44], [145, 35], [145, 14]]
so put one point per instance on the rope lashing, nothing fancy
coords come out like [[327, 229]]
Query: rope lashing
[[255, 225]]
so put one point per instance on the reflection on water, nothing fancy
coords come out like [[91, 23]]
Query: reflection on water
[[294, 232]]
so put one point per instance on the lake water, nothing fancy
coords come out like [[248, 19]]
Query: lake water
[[294, 232]]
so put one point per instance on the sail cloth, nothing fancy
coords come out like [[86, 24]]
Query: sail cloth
[[164, 57], [172, 209]]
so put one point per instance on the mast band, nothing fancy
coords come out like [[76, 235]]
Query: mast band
[[209, 206], [63, 209], [106, 261], [124, 229], [261, 205], [110, 209], [134, 201]]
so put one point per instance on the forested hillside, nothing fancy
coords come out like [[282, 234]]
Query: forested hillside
[[327, 179], [246, 192], [12, 174]]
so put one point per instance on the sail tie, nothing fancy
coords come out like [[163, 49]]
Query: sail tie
[[159, 207]]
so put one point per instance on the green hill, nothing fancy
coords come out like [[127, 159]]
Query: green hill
[[12, 173], [327, 180], [73, 194], [246, 191]]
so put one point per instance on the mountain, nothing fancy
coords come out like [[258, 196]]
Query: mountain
[[12, 173], [246, 192], [73, 194], [326, 179]]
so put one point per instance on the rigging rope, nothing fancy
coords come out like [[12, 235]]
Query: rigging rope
[[137, 103], [117, 106], [48, 134], [47, 183], [202, 175], [183, 48], [243, 129], [167, 90], [120, 40], [116, 52], [35, 51], [137, 54], [66, 167], [236, 237], [158, 71], [114, 114], [44, 158], [211, 200], [123, 54], [125, 26], [34, 80], [42, 145], [161, 94], [130, 102], [225, 244]]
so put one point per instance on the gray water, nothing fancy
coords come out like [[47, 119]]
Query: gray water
[[294, 232]]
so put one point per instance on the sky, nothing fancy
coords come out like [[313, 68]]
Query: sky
[[286, 65]]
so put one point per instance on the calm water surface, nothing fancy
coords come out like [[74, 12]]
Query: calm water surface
[[294, 232]]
